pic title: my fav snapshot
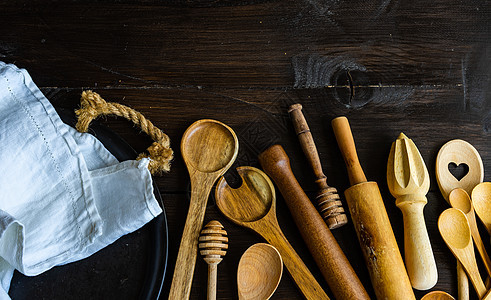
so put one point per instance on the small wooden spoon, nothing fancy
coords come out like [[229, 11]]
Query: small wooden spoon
[[437, 295], [208, 148], [253, 205], [460, 199], [259, 273], [481, 199], [456, 233]]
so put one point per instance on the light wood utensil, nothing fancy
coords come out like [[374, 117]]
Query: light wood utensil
[[259, 272], [437, 295], [481, 199], [459, 152], [460, 199], [253, 205], [409, 182], [213, 245], [379, 246], [325, 250], [208, 148], [454, 229], [329, 204]]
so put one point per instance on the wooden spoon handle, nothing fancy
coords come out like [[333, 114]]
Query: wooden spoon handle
[[346, 144], [188, 249], [304, 279], [471, 217], [462, 283]]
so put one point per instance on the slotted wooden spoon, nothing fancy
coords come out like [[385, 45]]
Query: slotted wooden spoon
[[253, 205]]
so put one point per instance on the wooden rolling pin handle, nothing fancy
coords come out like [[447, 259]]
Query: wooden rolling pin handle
[[346, 144], [324, 248]]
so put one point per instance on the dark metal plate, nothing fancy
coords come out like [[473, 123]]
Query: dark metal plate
[[133, 267]]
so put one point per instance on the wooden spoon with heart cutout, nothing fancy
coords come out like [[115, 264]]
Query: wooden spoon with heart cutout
[[459, 152]]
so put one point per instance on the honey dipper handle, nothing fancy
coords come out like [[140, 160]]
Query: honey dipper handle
[[346, 144], [212, 281], [307, 142]]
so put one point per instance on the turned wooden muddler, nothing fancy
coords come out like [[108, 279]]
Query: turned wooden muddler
[[379, 246], [329, 257], [328, 202]]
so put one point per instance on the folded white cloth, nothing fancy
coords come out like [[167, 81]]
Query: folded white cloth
[[63, 196]]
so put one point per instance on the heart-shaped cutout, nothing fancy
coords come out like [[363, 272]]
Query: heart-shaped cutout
[[458, 171]]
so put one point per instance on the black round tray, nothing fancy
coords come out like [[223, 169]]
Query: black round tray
[[133, 267]]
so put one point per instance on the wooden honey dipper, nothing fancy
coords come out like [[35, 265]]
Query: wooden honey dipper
[[329, 204], [213, 244]]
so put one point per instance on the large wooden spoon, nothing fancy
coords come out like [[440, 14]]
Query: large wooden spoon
[[460, 199], [456, 233], [253, 205], [208, 148], [259, 272], [481, 199]]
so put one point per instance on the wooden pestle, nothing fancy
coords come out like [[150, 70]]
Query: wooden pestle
[[379, 246], [329, 257], [408, 181], [328, 202]]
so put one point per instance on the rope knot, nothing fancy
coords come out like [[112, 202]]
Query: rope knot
[[92, 105]]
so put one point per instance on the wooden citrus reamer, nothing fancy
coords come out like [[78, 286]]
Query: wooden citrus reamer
[[409, 182], [379, 246], [329, 204]]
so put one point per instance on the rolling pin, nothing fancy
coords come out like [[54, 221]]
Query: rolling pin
[[379, 246], [324, 248], [328, 202], [408, 181]]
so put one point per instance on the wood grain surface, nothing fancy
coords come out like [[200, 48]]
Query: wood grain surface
[[421, 67]]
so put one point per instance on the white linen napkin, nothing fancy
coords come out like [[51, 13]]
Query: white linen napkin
[[63, 196]]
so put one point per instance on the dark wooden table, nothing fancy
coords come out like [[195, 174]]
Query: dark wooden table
[[421, 67]]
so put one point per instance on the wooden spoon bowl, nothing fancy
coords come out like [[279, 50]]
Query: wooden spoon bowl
[[456, 233], [259, 272], [481, 199], [437, 295]]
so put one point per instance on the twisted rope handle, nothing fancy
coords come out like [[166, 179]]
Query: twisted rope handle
[[92, 106]]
